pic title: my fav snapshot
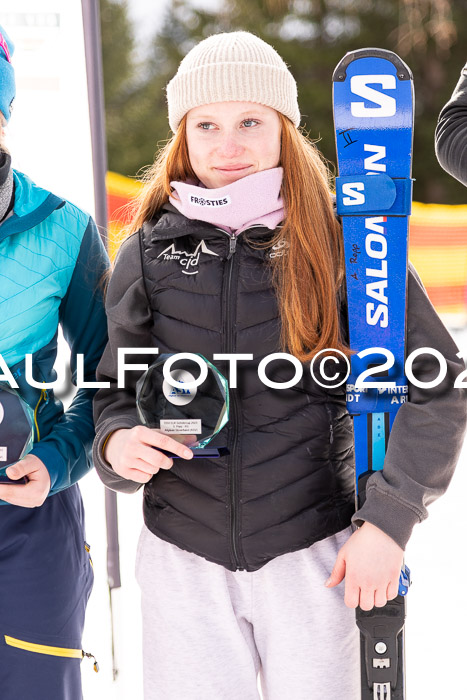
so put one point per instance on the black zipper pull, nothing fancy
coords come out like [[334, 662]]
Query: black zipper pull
[[232, 245], [91, 656]]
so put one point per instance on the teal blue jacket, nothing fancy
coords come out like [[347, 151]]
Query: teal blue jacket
[[51, 265]]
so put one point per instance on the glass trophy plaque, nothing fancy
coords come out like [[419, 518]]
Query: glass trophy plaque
[[185, 396], [16, 430]]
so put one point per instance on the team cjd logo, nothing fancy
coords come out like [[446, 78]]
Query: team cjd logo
[[189, 261]]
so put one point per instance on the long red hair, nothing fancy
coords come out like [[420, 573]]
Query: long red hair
[[308, 277]]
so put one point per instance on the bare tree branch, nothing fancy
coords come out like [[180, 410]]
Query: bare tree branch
[[421, 20]]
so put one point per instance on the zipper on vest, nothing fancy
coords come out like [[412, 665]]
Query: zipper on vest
[[43, 397], [232, 245], [331, 425], [228, 347]]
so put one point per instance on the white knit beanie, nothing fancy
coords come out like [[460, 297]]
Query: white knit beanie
[[232, 66]]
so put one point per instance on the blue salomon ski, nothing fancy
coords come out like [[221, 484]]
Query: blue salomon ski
[[373, 115]]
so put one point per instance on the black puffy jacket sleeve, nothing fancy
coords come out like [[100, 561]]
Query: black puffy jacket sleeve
[[129, 323], [451, 132], [428, 431]]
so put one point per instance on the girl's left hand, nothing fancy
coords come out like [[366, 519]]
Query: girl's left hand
[[371, 562], [33, 493]]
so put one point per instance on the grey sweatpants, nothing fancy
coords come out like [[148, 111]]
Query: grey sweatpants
[[208, 632]]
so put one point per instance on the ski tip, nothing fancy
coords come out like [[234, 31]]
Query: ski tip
[[340, 72]]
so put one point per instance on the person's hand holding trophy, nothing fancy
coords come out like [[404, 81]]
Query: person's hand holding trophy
[[185, 396], [181, 410]]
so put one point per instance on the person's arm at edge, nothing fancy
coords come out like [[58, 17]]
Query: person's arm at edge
[[451, 132], [428, 431]]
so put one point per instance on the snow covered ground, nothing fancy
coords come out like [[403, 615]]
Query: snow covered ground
[[437, 605]]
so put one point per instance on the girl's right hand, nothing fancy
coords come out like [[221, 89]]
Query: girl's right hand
[[131, 454]]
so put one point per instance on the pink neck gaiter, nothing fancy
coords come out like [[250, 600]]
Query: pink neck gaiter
[[252, 200]]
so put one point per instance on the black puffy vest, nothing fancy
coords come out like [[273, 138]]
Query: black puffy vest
[[289, 478]]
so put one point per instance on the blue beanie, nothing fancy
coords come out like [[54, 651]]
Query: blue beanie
[[7, 74]]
